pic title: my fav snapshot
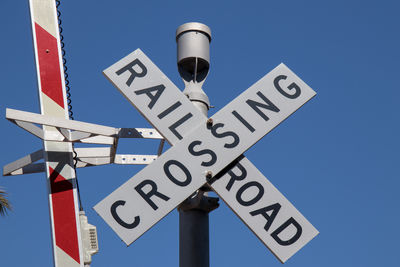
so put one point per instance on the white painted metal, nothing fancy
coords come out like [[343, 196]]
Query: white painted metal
[[74, 131], [17, 167], [86, 157], [103, 140], [33, 129], [30, 168], [193, 26], [135, 159], [63, 130], [92, 161], [229, 191], [139, 133], [89, 239], [18, 115], [134, 204], [93, 152]]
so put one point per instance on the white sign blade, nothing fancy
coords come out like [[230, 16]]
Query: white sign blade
[[263, 106], [148, 89], [271, 217]]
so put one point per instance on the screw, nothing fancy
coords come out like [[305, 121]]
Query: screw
[[208, 174], [210, 122], [47, 50]]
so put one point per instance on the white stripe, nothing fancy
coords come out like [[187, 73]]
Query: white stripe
[[42, 13], [65, 258]]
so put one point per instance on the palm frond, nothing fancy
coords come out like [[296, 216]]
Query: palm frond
[[4, 203]]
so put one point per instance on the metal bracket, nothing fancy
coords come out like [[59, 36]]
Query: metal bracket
[[199, 201], [25, 164], [64, 130], [135, 159]]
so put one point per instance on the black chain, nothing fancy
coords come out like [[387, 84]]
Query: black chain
[[68, 92]]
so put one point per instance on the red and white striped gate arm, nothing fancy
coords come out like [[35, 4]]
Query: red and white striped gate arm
[[63, 200]]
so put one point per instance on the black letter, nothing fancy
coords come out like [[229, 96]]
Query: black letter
[[263, 211], [243, 121], [224, 134], [182, 167], [255, 105], [153, 192], [283, 227], [290, 87], [132, 71], [202, 152], [255, 199], [153, 98], [169, 110], [113, 210], [235, 177], [177, 123]]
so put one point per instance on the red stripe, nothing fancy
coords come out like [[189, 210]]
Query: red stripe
[[49, 65], [62, 196]]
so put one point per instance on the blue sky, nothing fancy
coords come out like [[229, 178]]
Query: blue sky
[[336, 159]]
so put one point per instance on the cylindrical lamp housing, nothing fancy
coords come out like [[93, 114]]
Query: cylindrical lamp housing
[[193, 43]]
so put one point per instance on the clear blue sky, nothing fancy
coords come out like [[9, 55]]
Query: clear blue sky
[[336, 159]]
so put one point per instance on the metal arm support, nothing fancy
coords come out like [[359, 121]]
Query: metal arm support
[[78, 132], [75, 131]]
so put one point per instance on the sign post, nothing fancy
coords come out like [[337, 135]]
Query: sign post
[[193, 40], [207, 152]]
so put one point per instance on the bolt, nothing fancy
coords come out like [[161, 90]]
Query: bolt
[[210, 122]]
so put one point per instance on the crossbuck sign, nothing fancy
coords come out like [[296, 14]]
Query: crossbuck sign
[[207, 150]]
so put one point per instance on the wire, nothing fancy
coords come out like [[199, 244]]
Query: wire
[[68, 93]]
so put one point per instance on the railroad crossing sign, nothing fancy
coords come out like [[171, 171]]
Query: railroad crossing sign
[[207, 151]]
